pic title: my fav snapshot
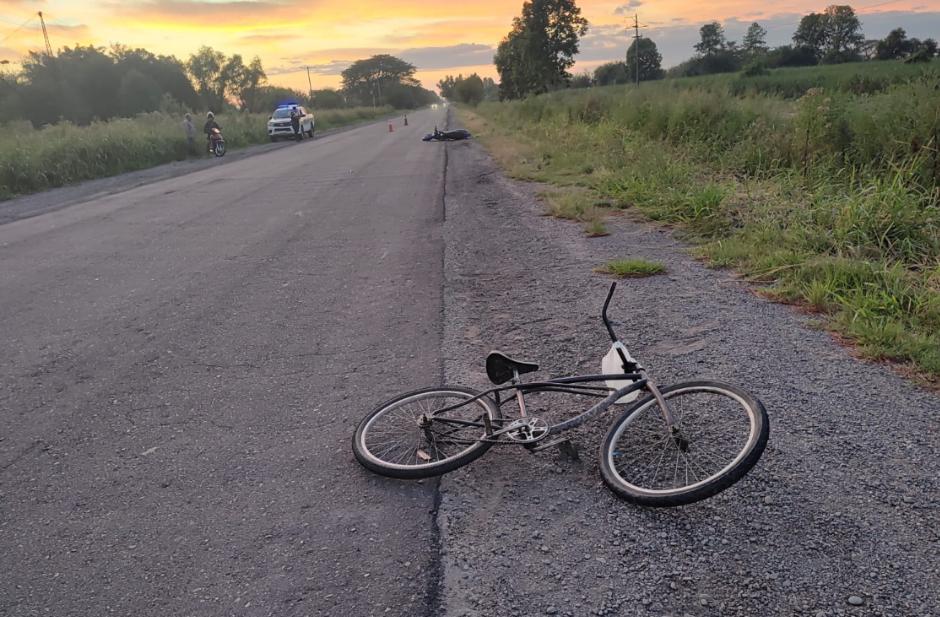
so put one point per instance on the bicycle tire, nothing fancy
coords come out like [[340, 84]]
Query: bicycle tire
[[376, 464], [743, 462]]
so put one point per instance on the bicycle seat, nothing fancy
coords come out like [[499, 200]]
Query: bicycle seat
[[500, 367]]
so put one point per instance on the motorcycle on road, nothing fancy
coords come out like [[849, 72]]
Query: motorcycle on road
[[216, 143]]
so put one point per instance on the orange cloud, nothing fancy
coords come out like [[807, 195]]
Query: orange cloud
[[240, 15]]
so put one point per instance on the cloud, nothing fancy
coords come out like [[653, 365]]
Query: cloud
[[206, 13], [629, 7], [265, 39], [453, 57]]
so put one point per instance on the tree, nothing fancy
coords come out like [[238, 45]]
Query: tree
[[470, 90], [787, 55], [369, 81], [205, 66], [713, 39], [447, 86], [138, 93], [755, 40], [168, 73], [490, 89], [328, 98], [813, 34], [833, 36], [844, 34], [536, 54], [515, 79], [922, 51], [650, 60], [226, 84], [581, 80], [79, 85], [611, 74], [248, 82], [930, 47], [269, 97], [895, 45]]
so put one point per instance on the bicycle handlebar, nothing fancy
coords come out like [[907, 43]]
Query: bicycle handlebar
[[607, 324], [629, 366]]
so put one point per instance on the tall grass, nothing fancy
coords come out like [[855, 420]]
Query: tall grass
[[832, 199], [62, 154]]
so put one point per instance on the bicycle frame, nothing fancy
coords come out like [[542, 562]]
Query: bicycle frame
[[568, 385]]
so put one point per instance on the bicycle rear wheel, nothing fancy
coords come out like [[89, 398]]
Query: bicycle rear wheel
[[722, 432], [409, 437]]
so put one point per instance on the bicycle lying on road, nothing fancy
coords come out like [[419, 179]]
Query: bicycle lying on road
[[673, 446]]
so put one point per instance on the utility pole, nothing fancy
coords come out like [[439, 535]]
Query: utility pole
[[309, 83], [45, 35], [636, 46]]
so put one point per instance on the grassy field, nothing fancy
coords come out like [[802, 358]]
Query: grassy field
[[830, 200], [792, 83], [34, 160]]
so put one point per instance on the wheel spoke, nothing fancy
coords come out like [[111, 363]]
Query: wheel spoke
[[396, 436], [715, 423]]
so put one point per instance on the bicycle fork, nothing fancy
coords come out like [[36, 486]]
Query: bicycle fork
[[669, 417]]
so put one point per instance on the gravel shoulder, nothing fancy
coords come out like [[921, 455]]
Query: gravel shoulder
[[843, 503], [35, 204]]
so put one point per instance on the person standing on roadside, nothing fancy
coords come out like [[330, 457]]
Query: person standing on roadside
[[190, 129], [295, 117]]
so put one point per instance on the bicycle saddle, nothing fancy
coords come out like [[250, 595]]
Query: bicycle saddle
[[499, 367]]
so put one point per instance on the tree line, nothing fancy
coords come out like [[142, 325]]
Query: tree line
[[537, 53], [86, 83], [471, 90], [831, 37]]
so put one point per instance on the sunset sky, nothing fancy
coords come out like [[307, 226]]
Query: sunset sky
[[439, 37]]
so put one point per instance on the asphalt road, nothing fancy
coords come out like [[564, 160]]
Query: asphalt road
[[183, 365]]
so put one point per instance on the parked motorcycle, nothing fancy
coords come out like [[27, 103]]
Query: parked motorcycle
[[216, 143]]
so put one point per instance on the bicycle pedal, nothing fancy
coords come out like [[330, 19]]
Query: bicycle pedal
[[564, 442]]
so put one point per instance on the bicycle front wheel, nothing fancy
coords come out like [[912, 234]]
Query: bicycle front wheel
[[722, 432], [415, 435]]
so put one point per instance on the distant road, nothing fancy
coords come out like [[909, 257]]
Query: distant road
[[183, 366], [55, 199]]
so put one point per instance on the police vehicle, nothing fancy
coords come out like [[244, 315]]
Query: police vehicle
[[279, 122]]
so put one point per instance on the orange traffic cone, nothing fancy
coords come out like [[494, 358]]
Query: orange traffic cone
[[391, 129]]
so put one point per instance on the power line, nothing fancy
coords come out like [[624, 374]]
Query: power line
[[872, 6], [21, 26]]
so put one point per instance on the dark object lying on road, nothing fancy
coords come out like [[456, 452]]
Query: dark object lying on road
[[447, 135]]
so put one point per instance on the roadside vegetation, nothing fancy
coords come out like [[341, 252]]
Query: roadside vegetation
[[830, 199], [34, 160], [90, 112], [821, 183], [632, 268]]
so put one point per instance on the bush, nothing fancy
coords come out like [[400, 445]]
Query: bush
[[755, 69]]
